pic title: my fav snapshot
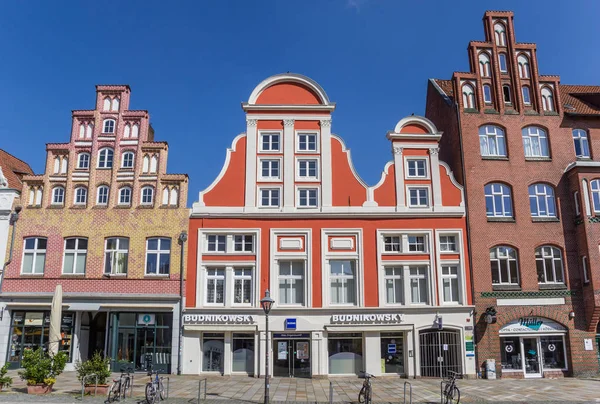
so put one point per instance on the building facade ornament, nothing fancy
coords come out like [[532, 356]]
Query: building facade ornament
[[251, 122], [288, 122], [325, 123], [3, 180], [397, 150], [434, 151]]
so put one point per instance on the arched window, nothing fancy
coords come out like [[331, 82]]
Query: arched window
[[146, 164], [80, 196], [106, 106], [115, 104], [58, 195], [535, 142], [505, 266], [549, 264], [127, 160], [547, 99], [125, 196], [492, 141], [498, 200], [582, 146], [487, 94], [102, 195], [31, 196], [502, 62], [165, 196], [147, 195], [34, 255], [88, 131], [109, 126], [63, 166], [56, 165], [526, 95], [127, 130], [541, 201], [173, 200], [507, 95], [484, 64], [38, 196], [500, 33], [523, 62], [468, 96], [595, 187], [135, 130], [81, 130], [83, 161], [153, 164], [105, 158]]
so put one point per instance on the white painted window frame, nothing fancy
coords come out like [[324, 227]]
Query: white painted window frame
[[267, 132], [259, 173], [158, 252], [407, 161], [103, 186], [105, 123], [300, 188], [420, 186], [308, 178], [76, 196], [80, 156], [300, 132], [121, 191], [35, 252], [77, 251], [269, 187]]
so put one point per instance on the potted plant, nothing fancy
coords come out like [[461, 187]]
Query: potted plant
[[98, 366], [5, 381], [40, 370]]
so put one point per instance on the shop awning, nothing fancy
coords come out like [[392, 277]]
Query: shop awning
[[219, 327], [362, 327]]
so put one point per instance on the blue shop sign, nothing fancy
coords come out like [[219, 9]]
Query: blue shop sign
[[290, 323]]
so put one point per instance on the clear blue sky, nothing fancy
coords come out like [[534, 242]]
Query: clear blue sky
[[190, 64]]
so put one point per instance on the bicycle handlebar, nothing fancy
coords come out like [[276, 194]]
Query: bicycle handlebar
[[367, 375]]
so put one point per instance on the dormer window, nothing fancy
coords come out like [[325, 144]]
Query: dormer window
[[500, 34], [109, 126]]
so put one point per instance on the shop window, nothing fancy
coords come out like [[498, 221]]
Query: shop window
[[418, 284], [243, 243], [498, 200], [535, 142], [345, 353], [448, 244], [216, 242], [343, 281], [394, 285], [308, 198], [243, 281], [75, 256], [116, 255], [392, 243], [392, 353], [215, 285], [510, 352], [549, 265], [582, 146], [307, 142], [291, 283], [105, 158], [450, 283], [34, 255], [541, 201], [269, 142], [213, 352], [553, 349], [492, 142], [505, 270], [243, 353], [158, 256], [416, 243]]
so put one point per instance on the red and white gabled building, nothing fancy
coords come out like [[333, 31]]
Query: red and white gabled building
[[364, 277]]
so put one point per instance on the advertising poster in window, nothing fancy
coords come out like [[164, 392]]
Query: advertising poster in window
[[302, 350], [282, 350]]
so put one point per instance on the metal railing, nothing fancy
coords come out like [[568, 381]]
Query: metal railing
[[409, 392], [200, 383], [95, 376]]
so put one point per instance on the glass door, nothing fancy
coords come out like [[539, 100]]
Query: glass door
[[531, 354], [292, 358], [301, 358]]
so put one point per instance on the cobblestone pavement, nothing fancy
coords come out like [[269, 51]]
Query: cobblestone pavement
[[245, 390]]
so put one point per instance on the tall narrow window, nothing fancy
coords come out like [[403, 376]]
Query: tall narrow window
[[102, 198], [158, 256], [548, 260], [526, 95], [81, 130], [291, 282], [83, 161], [147, 195], [146, 164], [89, 130], [484, 65], [468, 96], [576, 203], [542, 201], [547, 99], [487, 94], [342, 277], [125, 196], [115, 104], [108, 126], [535, 142], [450, 283], [105, 158], [127, 131], [215, 285], [127, 160], [106, 106], [498, 200], [173, 199], [502, 62], [584, 265], [523, 62], [582, 146], [116, 255], [500, 34], [595, 187], [34, 255], [153, 164], [505, 270], [135, 130], [80, 196], [58, 195], [394, 285], [506, 93], [243, 285], [418, 285], [75, 256]]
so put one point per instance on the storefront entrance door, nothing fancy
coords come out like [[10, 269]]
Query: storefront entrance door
[[291, 358], [531, 353]]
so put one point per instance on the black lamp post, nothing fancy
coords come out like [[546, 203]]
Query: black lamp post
[[181, 241], [266, 303]]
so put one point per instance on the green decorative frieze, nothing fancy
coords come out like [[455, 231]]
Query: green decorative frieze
[[506, 294]]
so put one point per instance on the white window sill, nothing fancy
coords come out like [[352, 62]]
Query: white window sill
[[307, 179], [72, 274], [32, 274], [115, 275], [158, 275], [448, 252]]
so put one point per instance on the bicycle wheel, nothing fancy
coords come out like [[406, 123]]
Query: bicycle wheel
[[361, 395], [150, 393], [126, 386], [453, 395], [113, 392], [161, 389]]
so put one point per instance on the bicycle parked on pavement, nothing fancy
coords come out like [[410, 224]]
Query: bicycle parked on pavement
[[451, 394], [366, 393], [121, 386], [155, 390]]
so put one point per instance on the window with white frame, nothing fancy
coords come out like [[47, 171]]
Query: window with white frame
[[417, 168], [549, 264], [502, 62], [216, 243], [108, 126], [394, 284], [307, 141], [504, 265], [584, 267], [83, 161], [417, 243], [243, 243], [147, 195], [270, 169], [547, 99], [116, 255], [523, 62], [106, 105], [418, 197], [487, 94], [105, 158], [343, 282], [243, 281], [484, 65], [576, 203], [526, 95], [34, 255], [492, 141], [392, 243], [158, 256], [448, 244], [595, 187], [535, 142], [215, 286], [291, 283], [418, 284], [308, 197], [269, 197], [127, 160], [541, 201], [125, 196], [80, 196], [450, 283], [498, 200], [58, 195], [308, 168], [580, 141], [75, 256], [270, 142], [102, 197], [507, 94]]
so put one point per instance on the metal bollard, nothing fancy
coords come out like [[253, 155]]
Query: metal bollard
[[83, 384], [409, 391], [200, 383], [330, 393]]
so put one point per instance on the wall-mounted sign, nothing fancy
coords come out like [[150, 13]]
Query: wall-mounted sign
[[146, 319], [531, 325], [391, 348], [587, 342], [217, 319], [282, 350], [302, 350], [290, 323], [367, 318]]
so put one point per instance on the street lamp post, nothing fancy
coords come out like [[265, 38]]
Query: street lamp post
[[266, 303], [181, 241]]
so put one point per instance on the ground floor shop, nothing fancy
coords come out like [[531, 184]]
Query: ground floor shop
[[131, 333], [317, 342]]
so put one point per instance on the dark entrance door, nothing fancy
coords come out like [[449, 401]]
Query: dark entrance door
[[440, 352], [97, 334], [291, 357]]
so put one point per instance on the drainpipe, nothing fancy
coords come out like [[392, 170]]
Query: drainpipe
[[181, 240], [14, 217]]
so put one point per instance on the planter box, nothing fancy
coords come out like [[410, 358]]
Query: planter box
[[39, 388], [101, 390]]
